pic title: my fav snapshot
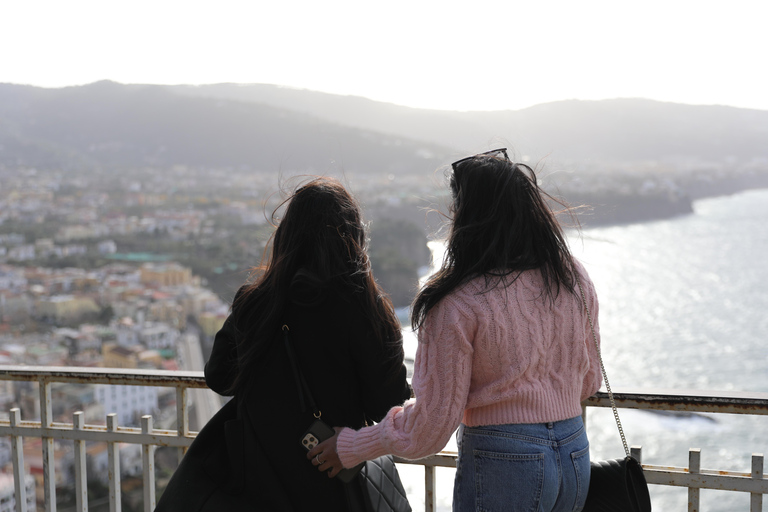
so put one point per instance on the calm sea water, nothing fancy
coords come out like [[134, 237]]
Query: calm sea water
[[683, 305]]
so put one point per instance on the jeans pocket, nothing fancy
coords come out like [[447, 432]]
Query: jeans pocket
[[580, 461], [507, 481]]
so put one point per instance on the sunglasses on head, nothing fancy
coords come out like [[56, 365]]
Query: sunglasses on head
[[496, 153]]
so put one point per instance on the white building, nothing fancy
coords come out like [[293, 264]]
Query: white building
[[22, 253], [107, 247], [98, 461], [157, 336], [12, 278], [128, 402], [5, 451], [8, 493], [153, 335]]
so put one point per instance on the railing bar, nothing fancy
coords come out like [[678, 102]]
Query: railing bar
[[49, 463], [113, 456], [694, 466], [103, 436], [19, 473], [148, 465], [430, 484], [744, 403], [445, 459], [58, 426], [694, 478], [706, 479], [81, 471], [756, 499], [84, 375]]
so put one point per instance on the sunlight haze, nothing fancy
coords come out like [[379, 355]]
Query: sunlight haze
[[492, 55]]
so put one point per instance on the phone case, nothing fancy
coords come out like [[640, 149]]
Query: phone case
[[318, 432]]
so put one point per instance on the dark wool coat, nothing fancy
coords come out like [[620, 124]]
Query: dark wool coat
[[353, 378]]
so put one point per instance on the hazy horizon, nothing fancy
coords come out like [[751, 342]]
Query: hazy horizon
[[492, 56], [283, 86]]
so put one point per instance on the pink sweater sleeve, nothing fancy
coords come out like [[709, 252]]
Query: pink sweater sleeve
[[441, 378]]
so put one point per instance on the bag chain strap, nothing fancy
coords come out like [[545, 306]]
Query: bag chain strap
[[602, 369]]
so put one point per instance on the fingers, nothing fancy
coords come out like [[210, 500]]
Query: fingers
[[325, 458], [335, 471], [330, 464], [320, 463], [318, 448]]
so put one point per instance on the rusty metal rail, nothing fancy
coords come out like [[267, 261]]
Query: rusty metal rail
[[719, 402], [692, 477]]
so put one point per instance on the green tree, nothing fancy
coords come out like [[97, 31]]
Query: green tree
[[397, 250]]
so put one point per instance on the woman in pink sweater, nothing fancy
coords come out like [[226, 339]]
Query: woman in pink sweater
[[505, 353]]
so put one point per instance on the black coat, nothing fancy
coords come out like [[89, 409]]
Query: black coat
[[353, 377]]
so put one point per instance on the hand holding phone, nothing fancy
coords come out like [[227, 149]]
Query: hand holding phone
[[318, 432]]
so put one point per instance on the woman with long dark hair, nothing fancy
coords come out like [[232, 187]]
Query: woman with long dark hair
[[317, 285], [505, 352]]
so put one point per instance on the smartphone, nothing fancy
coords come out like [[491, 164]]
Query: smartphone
[[318, 432]]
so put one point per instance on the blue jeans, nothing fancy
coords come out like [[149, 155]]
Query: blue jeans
[[542, 467]]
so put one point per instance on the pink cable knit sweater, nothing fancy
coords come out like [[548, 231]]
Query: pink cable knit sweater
[[505, 356]]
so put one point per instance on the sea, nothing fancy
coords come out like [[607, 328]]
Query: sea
[[683, 306]]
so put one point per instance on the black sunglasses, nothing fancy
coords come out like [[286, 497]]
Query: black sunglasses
[[492, 153]]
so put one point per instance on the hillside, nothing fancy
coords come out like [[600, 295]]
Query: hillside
[[631, 159], [618, 130], [266, 127], [114, 125]]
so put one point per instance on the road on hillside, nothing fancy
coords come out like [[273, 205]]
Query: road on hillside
[[203, 403]]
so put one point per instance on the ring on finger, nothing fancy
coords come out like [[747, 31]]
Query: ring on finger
[[317, 458]]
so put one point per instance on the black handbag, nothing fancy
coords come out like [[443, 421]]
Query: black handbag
[[373, 486], [615, 485], [381, 487]]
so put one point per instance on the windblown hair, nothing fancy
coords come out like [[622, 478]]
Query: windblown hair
[[322, 235], [501, 226]]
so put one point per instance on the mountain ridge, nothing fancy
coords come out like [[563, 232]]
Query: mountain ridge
[[269, 127]]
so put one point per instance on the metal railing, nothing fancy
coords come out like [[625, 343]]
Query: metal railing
[[692, 477]]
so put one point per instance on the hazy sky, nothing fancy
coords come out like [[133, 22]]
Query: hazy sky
[[446, 54]]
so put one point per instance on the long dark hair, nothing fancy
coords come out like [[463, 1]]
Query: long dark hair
[[321, 234], [502, 224]]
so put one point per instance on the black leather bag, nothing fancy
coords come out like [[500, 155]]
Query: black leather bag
[[381, 486], [616, 485]]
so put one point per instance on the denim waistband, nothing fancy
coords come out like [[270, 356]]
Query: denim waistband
[[556, 431]]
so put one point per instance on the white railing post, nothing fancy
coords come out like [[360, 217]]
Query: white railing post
[[49, 461], [148, 465], [113, 457], [81, 472], [756, 499], [19, 473], [430, 483], [694, 467]]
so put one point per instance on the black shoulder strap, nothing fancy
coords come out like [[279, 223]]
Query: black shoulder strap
[[301, 383]]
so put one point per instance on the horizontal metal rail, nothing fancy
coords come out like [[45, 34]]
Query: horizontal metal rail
[[692, 477], [719, 402], [116, 376]]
